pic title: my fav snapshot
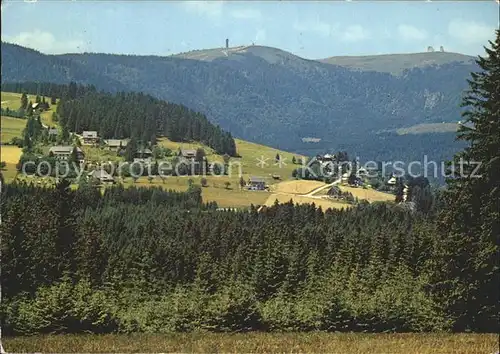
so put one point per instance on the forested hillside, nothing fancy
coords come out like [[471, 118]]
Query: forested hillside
[[273, 97], [128, 115]]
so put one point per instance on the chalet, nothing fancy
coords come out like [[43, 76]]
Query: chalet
[[392, 181], [101, 176], [53, 131], [116, 144], [256, 183], [143, 155], [35, 105], [345, 177], [362, 172], [188, 153], [334, 192], [89, 137], [64, 152], [325, 158]]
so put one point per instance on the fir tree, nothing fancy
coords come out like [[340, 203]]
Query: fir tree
[[470, 220]]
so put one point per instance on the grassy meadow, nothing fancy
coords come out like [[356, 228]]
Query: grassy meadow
[[313, 342], [13, 101], [11, 128]]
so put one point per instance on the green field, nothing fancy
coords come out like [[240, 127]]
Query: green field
[[317, 342], [11, 128], [13, 101], [429, 128]]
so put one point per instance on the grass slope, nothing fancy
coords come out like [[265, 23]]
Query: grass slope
[[317, 342], [10, 128], [245, 166], [396, 63], [13, 101]]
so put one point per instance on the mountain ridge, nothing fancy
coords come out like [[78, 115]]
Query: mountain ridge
[[273, 97]]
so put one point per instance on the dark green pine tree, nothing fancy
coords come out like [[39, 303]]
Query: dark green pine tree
[[24, 101], [29, 109], [468, 256], [130, 150]]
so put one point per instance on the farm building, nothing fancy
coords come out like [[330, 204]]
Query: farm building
[[116, 144], [64, 152], [89, 137], [256, 183], [188, 153], [392, 181], [143, 155], [101, 176]]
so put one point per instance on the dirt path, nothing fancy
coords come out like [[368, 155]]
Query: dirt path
[[312, 193]]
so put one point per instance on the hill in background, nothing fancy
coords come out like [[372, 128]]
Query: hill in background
[[275, 98], [398, 63]]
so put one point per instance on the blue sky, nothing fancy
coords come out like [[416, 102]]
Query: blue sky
[[309, 29]]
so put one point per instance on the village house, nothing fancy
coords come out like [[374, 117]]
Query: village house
[[64, 152], [325, 158], [345, 177], [188, 153], [116, 144], [90, 137], [256, 183], [101, 177], [362, 172], [392, 181], [143, 155]]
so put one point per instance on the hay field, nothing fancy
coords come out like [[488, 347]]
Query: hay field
[[10, 128], [297, 186], [369, 194], [256, 342]]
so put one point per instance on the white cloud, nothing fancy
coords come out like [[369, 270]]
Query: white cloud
[[471, 32], [411, 33], [246, 14], [354, 33], [205, 8], [46, 42]]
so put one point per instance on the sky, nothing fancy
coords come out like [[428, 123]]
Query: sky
[[309, 29]]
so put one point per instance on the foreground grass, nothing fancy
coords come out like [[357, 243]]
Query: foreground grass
[[258, 343]]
